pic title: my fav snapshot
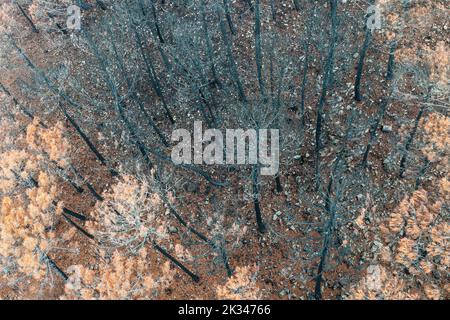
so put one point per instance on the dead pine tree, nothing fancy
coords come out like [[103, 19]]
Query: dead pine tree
[[333, 195], [258, 53], [226, 8], [118, 100], [256, 194], [154, 16], [209, 46], [324, 91], [151, 71], [120, 62], [373, 130], [359, 71], [305, 67], [362, 57], [410, 141], [230, 57]]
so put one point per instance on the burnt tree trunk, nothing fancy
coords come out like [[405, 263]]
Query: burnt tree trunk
[[55, 267], [279, 186], [209, 47], [156, 22], [323, 95], [102, 60], [362, 56], [258, 53], [273, 9], [176, 262], [326, 243], [154, 81], [86, 139], [198, 234], [410, 141], [304, 84], [226, 7], [391, 61], [134, 95], [231, 61], [256, 196], [28, 18], [373, 130]]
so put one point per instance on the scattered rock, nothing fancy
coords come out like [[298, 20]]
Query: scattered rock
[[386, 128], [276, 215], [376, 246]]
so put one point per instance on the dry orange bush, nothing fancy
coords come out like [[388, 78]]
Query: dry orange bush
[[28, 205], [128, 223], [27, 223], [50, 141], [241, 286], [444, 188], [13, 163], [439, 60], [436, 140], [416, 236], [120, 277]]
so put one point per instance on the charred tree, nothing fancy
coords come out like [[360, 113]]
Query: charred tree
[[231, 61], [326, 79], [410, 140], [362, 56], [256, 198], [258, 53], [28, 18]]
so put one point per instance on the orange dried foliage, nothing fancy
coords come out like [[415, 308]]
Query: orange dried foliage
[[437, 139], [51, 141], [28, 211], [241, 286], [417, 234], [26, 222], [120, 277]]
